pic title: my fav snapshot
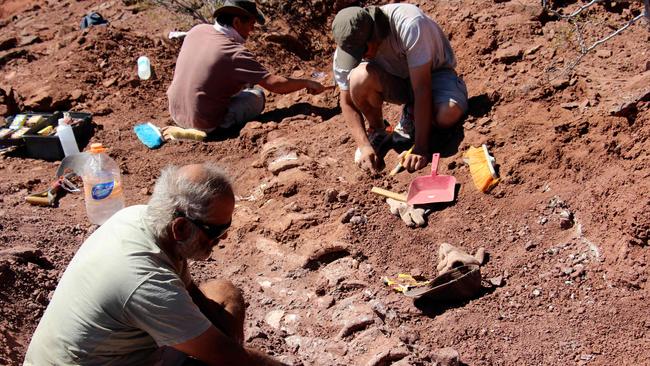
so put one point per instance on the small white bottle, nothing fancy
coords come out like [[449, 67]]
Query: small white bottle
[[144, 68], [102, 185], [66, 136]]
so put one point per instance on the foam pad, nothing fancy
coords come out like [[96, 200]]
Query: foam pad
[[149, 135]]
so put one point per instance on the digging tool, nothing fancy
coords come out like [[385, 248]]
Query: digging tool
[[50, 196], [388, 194], [434, 188], [399, 165]]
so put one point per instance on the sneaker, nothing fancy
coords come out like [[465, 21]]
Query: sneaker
[[405, 129], [377, 139]]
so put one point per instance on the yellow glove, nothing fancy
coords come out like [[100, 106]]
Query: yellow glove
[[179, 133]]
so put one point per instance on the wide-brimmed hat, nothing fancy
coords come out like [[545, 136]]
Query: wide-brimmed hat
[[458, 284], [246, 8]]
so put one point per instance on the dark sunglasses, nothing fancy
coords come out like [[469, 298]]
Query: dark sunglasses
[[212, 231]]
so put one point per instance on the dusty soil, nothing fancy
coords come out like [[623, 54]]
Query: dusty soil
[[566, 228]]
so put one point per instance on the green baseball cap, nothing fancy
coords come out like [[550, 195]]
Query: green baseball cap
[[352, 29]]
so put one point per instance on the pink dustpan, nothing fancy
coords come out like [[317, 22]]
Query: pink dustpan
[[433, 188]]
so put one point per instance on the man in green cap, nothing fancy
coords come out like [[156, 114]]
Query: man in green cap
[[409, 61], [212, 85]]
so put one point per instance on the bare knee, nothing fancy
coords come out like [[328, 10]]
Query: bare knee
[[364, 79], [227, 294], [447, 115]]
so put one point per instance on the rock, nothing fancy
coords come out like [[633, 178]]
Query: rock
[[567, 270], [578, 270], [23, 254], [566, 219], [102, 110], [255, 332], [331, 195], [283, 163], [109, 82], [9, 101], [445, 357], [496, 281], [325, 302], [388, 357], [508, 55], [8, 43], [604, 53], [345, 218], [77, 95], [355, 325], [560, 83], [343, 196], [570, 105], [29, 40], [273, 318], [358, 220], [327, 254], [10, 55], [536, 292], [532, 50], [41, 100]]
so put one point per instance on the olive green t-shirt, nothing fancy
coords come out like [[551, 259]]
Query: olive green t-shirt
[[119, 300]]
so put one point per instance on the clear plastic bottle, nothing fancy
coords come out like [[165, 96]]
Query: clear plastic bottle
[[66, 136], [144, 68], [102, 185]]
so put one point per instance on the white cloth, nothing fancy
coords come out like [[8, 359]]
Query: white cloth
[[118, 301], [414, 40], [230, 32]]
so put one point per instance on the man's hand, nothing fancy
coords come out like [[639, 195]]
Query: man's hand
[[415, 161], [314, 87], [369, 160]]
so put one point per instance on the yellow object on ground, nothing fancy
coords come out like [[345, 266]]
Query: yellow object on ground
[[179, 133], [481, 167], [404, 282]]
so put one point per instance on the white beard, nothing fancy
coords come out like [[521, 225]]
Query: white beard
[[191, 248]]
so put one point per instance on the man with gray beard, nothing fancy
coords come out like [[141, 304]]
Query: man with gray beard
[[127, 297]]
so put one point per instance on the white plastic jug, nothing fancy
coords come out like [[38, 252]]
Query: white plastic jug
[[102, 185], [66, 136], [144, 68]]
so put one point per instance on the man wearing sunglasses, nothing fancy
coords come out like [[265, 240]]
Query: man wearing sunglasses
[[127, 297], [408, 60]]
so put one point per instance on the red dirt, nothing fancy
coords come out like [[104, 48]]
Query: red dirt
[[569, 296]]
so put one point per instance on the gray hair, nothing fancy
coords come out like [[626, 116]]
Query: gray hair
[[175, 193]]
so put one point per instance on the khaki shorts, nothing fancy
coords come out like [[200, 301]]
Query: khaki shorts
[[445, 84]]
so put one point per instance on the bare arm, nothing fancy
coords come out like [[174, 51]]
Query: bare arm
[[369, 158], [281, 85], [421, 81], [213, 348], [354, 118]]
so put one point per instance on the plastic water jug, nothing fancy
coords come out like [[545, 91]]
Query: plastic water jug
[[144, 68], [66, 136], [102, 185]]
